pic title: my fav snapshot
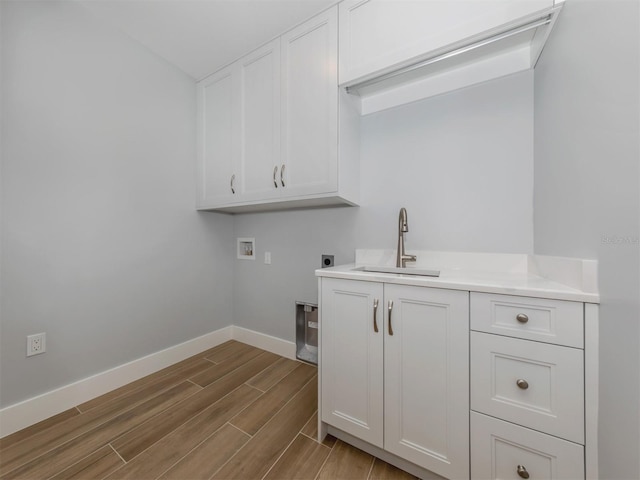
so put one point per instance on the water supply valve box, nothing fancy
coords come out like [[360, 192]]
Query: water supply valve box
[[307, 332]]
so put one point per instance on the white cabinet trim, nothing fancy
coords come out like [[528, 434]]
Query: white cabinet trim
[[591, 385]]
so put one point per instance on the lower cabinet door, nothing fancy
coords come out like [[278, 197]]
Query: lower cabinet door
[[351, 358], [427, 378], [502, 450]]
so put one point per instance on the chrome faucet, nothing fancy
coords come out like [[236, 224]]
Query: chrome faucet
[[402, 258]]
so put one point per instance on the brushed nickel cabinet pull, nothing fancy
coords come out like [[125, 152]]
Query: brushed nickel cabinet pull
[[390, 309], [523, 384], [522, 472], [275, 171], [375, 314], [522, 318], [282, 175], [233, 179]]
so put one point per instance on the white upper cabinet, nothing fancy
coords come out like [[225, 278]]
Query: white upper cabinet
[[239, 130], [310, 106], [376, 34], [218, 142], [269, 126], [259, 78], [456, 43]]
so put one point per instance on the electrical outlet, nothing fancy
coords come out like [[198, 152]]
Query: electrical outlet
[[327, 261], [36, 344]]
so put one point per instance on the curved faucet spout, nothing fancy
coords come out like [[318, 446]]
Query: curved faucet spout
[[403, 226]]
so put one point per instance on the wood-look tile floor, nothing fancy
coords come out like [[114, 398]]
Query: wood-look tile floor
[[231, 412]]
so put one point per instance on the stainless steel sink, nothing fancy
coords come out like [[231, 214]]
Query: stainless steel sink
[[401, 270]]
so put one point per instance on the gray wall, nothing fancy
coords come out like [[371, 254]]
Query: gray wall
[[101, 246], [586, 192], [462, 165]]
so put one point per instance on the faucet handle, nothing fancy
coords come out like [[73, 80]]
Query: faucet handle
[[410, 258]]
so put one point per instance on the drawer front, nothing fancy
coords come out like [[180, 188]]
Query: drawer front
[[533, 384], [500, 450], [542, 320]]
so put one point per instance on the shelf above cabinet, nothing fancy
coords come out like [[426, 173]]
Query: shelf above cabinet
[[488, 45], [321, 201]]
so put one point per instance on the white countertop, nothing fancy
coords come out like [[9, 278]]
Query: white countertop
[[562, 278]]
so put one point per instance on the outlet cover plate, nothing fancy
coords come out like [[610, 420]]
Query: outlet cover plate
[[36, 344]]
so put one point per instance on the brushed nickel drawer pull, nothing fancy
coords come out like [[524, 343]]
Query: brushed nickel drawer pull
[[375, 314], [390, 309], [275, 171], [522, 318], [523, 384], [522, 472]]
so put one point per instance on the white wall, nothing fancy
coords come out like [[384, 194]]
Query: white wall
[[462, 165], [100, 247], [587, 201]]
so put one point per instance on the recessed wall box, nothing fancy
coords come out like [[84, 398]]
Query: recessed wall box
[[247, 248], [307, 332]]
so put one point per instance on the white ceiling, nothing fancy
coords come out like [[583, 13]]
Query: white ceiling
[[199, 36]]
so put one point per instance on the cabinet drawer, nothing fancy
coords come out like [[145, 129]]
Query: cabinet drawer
[[532, 384], [543, 320], [499, 449]]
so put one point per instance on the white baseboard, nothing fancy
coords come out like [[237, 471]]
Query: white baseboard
[[33, 410], [266, 342]]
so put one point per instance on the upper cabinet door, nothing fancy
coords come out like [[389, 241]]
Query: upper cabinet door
[[259, 78], [218, 153], [379, 34], [310, 107]]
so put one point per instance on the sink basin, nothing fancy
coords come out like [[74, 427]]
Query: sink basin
[[404, 271]]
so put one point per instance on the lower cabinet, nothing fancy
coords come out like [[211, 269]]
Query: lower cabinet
[[462, 384], [527, 388], [395, 370]]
